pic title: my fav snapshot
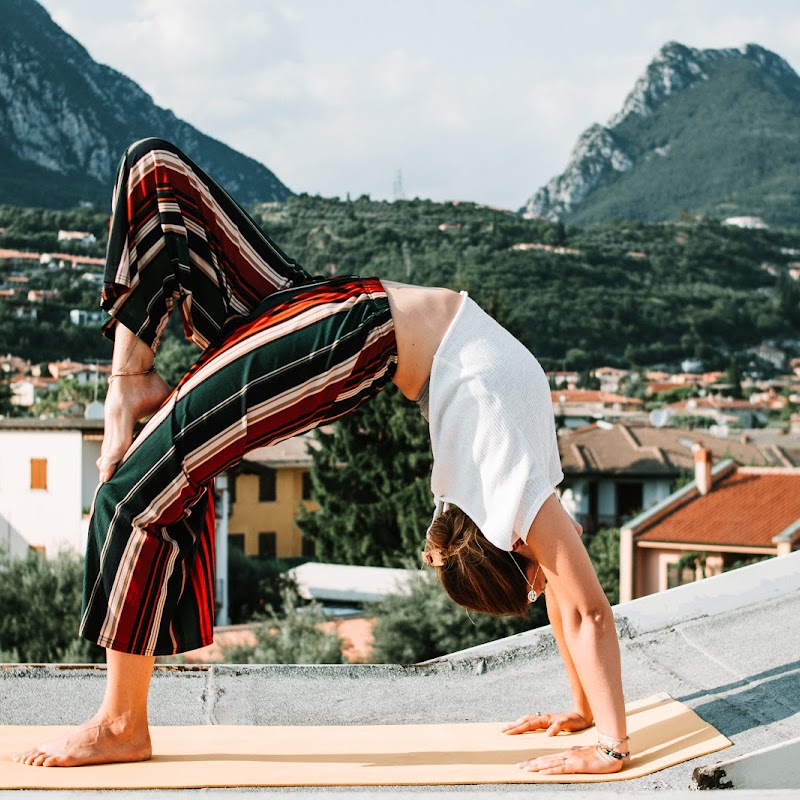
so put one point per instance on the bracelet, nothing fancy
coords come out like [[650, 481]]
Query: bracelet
[[607, 746], [607, 751], [126, 374]]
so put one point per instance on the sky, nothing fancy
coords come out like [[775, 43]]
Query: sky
[[479, 100]]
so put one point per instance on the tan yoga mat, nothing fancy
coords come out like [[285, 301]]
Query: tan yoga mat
[[663, 733]]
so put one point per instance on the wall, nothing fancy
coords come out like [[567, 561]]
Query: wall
[[51, 517], [250, 517]]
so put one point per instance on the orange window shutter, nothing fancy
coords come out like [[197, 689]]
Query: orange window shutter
[[38, 473]]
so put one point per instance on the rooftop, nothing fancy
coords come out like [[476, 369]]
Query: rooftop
[[726, 646], [746, 507], [655, 452]]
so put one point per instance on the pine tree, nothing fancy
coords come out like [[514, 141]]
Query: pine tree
[[370, 477], [734, 378], [6, 406]]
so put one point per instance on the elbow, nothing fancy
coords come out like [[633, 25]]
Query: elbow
[[595, 617]]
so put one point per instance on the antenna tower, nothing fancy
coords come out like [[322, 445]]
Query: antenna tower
[[397, 186]]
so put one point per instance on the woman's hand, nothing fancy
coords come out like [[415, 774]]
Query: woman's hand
[[569, 721], [574, 760]]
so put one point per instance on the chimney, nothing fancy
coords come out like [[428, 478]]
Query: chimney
[[702, 468]]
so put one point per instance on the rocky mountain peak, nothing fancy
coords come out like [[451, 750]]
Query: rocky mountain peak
[[65, 121], [605, 153]]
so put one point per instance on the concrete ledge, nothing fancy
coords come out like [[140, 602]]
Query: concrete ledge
[[729, 591], [776, 767]]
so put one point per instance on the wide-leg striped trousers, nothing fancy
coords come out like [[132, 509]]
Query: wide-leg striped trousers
[[282, 354]]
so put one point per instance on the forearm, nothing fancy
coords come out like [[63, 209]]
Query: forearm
[[591, 641], [580, 702]]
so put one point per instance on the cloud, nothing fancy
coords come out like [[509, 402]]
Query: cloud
[[471, 100]]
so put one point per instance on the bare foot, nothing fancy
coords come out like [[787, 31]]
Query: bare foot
[[97, 741], [129, 399]]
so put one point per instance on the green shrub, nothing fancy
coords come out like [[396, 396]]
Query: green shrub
[[256, 584], [40, 610], [426, 624], [293, 636]]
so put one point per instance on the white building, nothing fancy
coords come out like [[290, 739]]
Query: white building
[[80, 237], [47, 481]]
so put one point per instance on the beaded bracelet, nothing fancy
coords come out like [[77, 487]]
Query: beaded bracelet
[[607, 745], [607, 751]]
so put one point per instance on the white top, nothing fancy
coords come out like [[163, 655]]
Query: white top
[[495, 453]]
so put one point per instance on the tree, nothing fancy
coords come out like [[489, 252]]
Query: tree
[[734, 379], [603, 550], [370, 477], [40, 610], [295, 636], [426, 623], [6, 406], [255, 584]]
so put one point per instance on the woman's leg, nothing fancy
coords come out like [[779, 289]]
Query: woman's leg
[[117, 732], [305, 357], [176, 239], [129, 398]]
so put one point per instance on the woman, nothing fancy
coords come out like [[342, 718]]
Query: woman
[[284, 352]]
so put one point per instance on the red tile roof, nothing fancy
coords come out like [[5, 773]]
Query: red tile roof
[[748, 507]]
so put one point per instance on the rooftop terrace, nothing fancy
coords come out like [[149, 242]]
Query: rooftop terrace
[[728, 647]]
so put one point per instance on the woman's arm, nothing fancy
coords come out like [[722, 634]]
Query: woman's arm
[[590, 639], [580, 703], [580, 716]]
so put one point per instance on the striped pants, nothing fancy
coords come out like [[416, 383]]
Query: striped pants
[[282, 354]]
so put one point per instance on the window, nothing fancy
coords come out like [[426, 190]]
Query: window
[[307, 486], [678, 575], [266, 486], [38, 473], [236, 540], [232, 487], [267, 545]]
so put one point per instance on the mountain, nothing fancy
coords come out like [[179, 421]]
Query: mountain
[[709, 131], [65, 120]]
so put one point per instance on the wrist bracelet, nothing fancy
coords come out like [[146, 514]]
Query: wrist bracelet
[[608, 752], [126, 374]]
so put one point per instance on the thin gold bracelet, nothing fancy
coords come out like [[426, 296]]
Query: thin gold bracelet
[[126, 374]]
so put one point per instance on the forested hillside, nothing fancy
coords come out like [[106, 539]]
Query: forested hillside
[[623, 293]]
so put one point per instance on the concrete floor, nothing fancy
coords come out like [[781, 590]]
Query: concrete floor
[[738, 668]]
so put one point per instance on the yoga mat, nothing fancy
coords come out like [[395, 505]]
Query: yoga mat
[[663, 733]]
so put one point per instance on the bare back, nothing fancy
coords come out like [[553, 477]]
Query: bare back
[[421, 317]]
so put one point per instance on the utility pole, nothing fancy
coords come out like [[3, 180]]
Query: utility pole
[[221, 548]]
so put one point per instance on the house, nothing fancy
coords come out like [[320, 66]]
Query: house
[[266, 490], [610, 378], [79, 237], [721, 410], [48, 477], [80, 316], [575, 408], [41, 295], [27, 391], [726, 515], [81, 373], [613, 471]]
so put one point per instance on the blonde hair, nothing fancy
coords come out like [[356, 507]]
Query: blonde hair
[[475, 573]]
